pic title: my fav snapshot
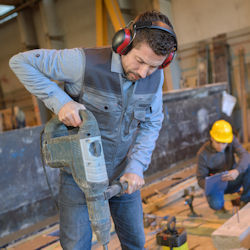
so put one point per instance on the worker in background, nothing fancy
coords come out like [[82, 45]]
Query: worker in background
[[19, 116], [218, 155], [123, 89]]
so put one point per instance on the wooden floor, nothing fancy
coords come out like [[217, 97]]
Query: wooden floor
[[198, 229]]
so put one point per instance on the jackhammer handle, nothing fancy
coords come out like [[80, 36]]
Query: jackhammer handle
[[87, 117], [55, 124], [117, 188]]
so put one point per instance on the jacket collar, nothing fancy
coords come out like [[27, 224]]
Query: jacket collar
[[116, 64]]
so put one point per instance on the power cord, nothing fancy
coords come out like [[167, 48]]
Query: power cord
[[45, 172]]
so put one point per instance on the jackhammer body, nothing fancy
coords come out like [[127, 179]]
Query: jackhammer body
[[80, 149]]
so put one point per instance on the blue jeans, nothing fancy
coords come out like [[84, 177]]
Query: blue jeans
[[75, 229], [216, 201]]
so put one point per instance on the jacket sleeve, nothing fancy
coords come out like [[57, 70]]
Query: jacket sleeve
[[243, 155], [37, 70], [148, 132], [202, 170]]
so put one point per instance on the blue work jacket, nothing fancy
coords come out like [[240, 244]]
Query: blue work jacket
[[129, 114]]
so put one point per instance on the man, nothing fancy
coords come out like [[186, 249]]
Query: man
[[218, 155], [19, 116], [124, 92]]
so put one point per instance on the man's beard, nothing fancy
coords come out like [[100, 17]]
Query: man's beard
[[131, 76]]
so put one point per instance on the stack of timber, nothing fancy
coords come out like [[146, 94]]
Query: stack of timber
[[235, 233], [168, 190]]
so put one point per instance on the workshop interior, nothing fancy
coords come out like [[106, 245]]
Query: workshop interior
[[206, 81]]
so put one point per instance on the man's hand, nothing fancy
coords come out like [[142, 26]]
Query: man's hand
[[231, 175], [69, 113], [135, 182]]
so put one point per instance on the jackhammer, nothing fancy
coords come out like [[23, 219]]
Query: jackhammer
[[80, 149]]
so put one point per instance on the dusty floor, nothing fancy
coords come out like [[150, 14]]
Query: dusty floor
[[199, 229]]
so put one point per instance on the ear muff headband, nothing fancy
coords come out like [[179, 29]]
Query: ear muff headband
[[156, 25], [123, 39]]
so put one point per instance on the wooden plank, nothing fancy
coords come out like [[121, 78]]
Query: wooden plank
[[220, 57], [168, 82], [236, 81], [168, 181], [8, 121], [243, 95], [191, 82], [2, 102], [1, 122], [156, 5], [233, 234], [248, 123], [174, 194], [27, 231], [198, 229], [36, 111], [202, 69], [38, 240]]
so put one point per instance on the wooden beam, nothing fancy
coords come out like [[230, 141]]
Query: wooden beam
[[2, 101], [220, 58], [19, 8], [173, 195], [101, 24], [168, 82], [105, 26], [10, 2], [233, 234], [52, 29], [115, 14], [243, 95], [202, 68], [169, 181], [7, 119], [36, 110], [156, 5], [1, 122]]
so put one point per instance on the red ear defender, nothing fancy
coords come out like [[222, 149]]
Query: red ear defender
[[167, 61], [121, 41]]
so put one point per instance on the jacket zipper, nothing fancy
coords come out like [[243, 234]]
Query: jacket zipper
[[120, 124]]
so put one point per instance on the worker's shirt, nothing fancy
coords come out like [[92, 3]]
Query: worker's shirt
[[210, 161], [37, 69]]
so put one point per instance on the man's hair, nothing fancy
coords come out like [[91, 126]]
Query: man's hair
[[161, 42]]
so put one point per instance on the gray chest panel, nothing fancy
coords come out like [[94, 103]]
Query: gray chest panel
[[103, 96]]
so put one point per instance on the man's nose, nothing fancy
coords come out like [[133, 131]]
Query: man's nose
[[143, 71]]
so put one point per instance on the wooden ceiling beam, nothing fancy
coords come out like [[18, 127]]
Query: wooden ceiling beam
[[11, 2]]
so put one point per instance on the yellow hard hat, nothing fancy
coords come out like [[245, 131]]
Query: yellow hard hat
[[222, 131]]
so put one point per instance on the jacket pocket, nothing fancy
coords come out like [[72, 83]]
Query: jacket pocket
[[138, 116], [100, 103]]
